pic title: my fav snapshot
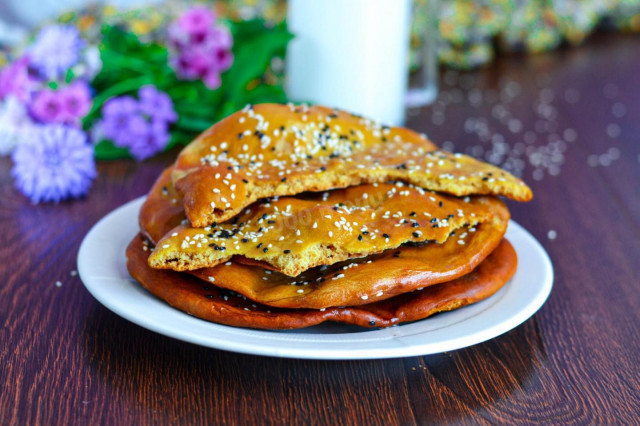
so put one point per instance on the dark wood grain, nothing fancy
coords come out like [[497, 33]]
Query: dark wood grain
[[65, 359]]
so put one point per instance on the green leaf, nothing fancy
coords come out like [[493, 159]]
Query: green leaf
[[106, 150], [253, 50]]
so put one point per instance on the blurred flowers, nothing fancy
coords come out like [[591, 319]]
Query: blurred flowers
[[98, 88], [200, 48], [53, 164], [66, 105], [16, 81], [15, 124], [141, 126], [55, 50]]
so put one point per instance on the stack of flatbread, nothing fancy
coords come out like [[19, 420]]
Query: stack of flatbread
[[283, 216]]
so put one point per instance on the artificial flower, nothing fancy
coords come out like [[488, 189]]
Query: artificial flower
[[56, 163], [55, 50]]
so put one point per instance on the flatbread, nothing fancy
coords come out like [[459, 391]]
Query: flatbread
[[211, 303], [162, 210], [361, 281], [275, 150], [295, 234]]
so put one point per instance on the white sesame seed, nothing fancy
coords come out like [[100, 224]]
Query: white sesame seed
[[212, 279]]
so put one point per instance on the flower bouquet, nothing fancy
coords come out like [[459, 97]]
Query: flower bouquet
[[71, 96]]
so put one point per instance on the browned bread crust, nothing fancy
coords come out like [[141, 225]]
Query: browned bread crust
[[208, 302], [272, 150]]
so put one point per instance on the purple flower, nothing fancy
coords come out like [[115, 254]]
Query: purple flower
[[156, 104], [142, 126], [116, 114], [196, 23], [16, 81], [47, 107], [152, 142], [76, 101], [56, 49], [55, 164], [66, 105], [201, 49]]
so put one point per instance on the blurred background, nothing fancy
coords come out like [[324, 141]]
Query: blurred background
[[432, 65]]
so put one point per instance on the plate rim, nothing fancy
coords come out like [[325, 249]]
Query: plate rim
[[399, 348]]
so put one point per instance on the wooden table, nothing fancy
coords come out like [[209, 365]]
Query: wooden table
[[64, 358]]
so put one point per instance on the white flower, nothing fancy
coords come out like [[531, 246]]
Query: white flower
[[15, 124]]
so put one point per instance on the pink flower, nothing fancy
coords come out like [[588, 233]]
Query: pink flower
[[201, 49], [47, 107], [15, 80], [196, 23], [76, 102], [67, 105]]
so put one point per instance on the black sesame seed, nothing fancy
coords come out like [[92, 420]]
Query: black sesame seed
[[245, 181], [434, 220], [287, 251], [440, 203], [412, 214], [372, 323], [259, 245], [360, 237], [385, 235], [271, 222], [416, 235], [264, 250], [284, 179], [435, 225], [415, 225], [244, 240], [240, 135]]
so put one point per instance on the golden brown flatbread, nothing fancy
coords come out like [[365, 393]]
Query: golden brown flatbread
[[208, 302], [274, 150], [162, 210], [294, 234]]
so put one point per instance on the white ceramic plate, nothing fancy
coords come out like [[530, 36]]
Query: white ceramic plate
[[101, 264]]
